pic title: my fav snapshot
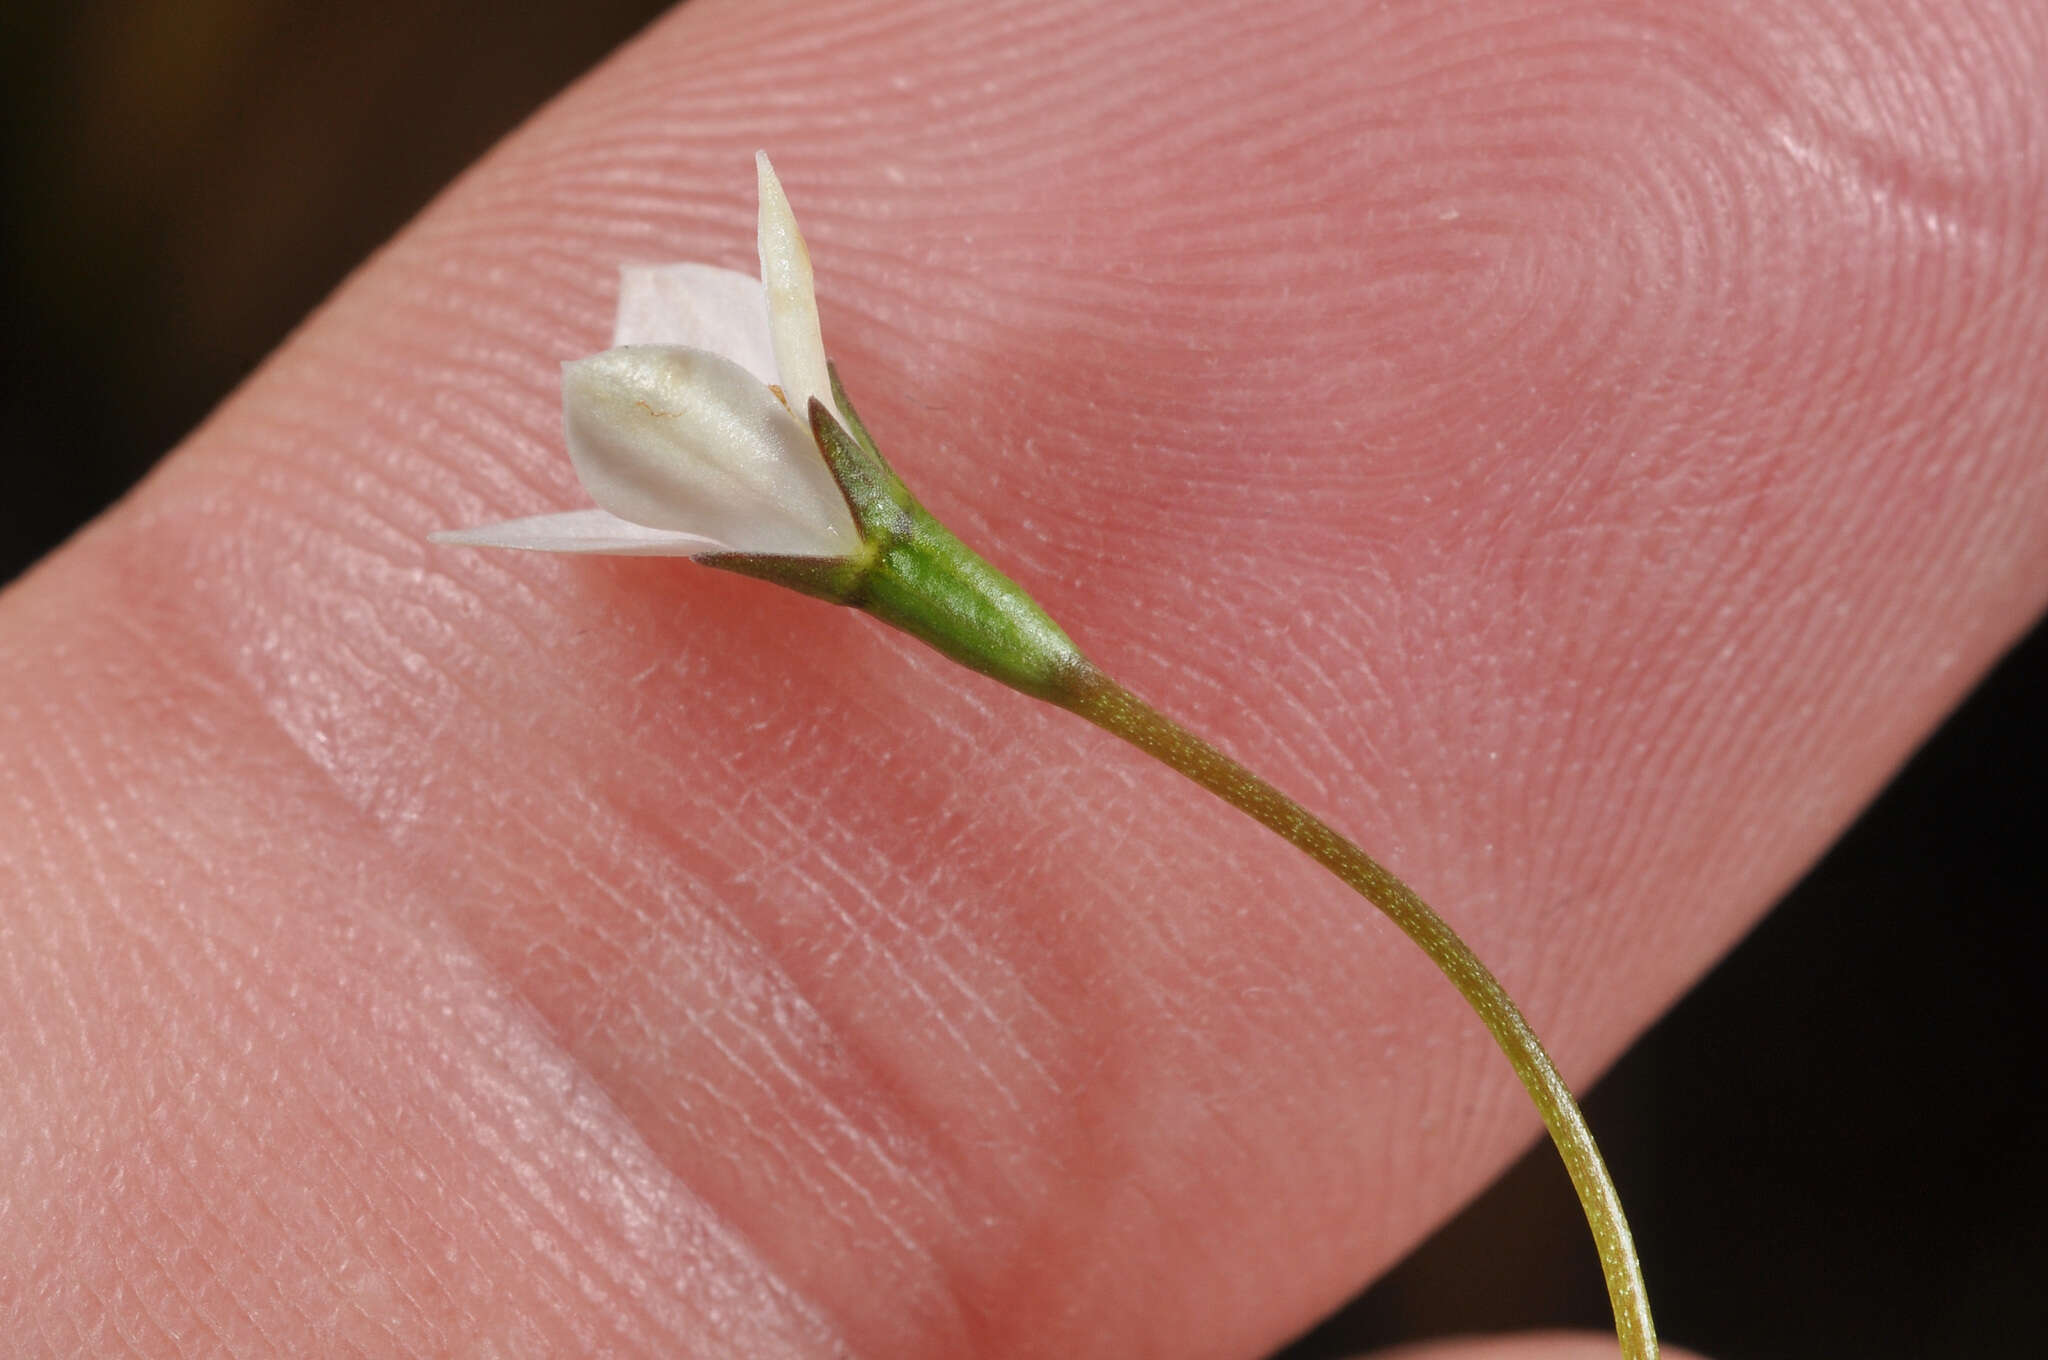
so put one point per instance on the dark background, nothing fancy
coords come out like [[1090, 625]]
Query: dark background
[[1833, 1148]]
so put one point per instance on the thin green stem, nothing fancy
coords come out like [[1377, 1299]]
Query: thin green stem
[[1108, 705]]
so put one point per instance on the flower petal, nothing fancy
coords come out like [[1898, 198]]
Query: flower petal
[[679, 439], [582, 531], [699, 305], [792, 300]]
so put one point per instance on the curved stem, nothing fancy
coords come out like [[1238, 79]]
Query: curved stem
[[1108, 705]]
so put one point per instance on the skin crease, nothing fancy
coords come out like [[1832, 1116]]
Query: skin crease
[[1578, 448]]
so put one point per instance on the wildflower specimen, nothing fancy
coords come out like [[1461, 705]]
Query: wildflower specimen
[[715, 429]]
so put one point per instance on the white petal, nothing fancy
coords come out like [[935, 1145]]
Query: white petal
[[699, 305], [683, 440], [792, 300], [581, 531]]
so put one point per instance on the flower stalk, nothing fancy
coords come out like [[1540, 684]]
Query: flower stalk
[[716, 429], [1113, 708]]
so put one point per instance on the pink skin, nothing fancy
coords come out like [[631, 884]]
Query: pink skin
[[1578, 448]]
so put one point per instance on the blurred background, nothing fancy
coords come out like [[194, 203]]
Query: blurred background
[[1832, 1148]]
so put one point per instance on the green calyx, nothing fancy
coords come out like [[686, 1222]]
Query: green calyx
[[911, 572]]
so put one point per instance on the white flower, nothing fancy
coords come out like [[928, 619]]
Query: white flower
[[676, 433]]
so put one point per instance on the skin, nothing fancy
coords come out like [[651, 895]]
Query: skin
[[1579, 449]]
